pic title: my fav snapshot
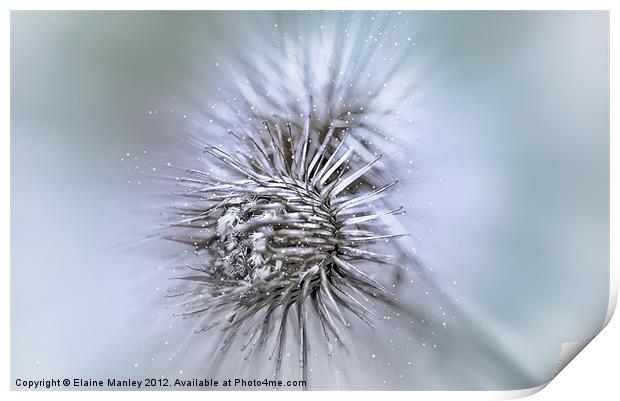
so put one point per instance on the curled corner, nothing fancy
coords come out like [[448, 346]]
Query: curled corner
[[569, 351], [572, 348], [526, 392]]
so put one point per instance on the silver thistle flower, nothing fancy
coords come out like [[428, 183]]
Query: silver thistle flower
[[283, 231], [293, 226], [278, 236]]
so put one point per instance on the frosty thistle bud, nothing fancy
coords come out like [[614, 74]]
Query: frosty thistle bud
[[285, 229]]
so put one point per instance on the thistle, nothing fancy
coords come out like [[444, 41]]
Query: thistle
[[283, 231], [288, 220]]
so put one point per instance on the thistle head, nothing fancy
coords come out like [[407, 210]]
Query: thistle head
[[286, 220], [285, 227]]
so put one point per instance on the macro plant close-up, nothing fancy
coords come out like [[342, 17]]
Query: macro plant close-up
[[307, 200], [285, 236], [287, 226]]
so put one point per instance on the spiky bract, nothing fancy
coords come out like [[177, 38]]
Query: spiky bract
[[284, 230]]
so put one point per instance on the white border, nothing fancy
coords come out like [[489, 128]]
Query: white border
[[590, 374]]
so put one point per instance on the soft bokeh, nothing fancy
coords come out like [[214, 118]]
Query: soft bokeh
[[505, 175]]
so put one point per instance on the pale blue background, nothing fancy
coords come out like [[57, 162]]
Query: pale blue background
[[510, 192]]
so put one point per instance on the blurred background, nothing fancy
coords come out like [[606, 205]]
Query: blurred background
[[505, 170]]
